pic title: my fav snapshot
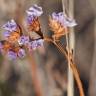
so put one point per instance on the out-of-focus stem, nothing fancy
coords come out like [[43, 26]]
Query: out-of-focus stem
[[36, 82], [92, 80], [93, 5]]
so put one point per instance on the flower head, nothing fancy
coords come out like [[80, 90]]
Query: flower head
[[63, 19], [13, 31], [33, 12], [59, 23], [32, 17]]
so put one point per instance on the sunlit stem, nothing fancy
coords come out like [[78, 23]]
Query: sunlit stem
[[68, 6]]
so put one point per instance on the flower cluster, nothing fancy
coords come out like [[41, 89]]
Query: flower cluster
[[32, 19], [15, 42], [59, 23]]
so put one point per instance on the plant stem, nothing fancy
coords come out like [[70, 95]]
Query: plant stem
[[71, 48], [74, 69], [35, 79], [69, 43], [72, 64]]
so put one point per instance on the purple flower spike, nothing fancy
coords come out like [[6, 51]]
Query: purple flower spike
[[10, 26], [35, 11], [23, 40], [21, 53], [64, 20], [12, 55]]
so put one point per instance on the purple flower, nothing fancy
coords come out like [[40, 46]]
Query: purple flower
[[63, 19], [36, 43], [10, 26], [32, 45], [55, 16], [12, 55], [33, 12], [23, 40], [30, 19], [21, 53], [40, 42], [6, 34]]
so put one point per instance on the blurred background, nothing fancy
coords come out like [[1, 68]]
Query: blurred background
[[16, 76]]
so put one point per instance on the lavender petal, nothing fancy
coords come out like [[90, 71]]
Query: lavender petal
[[6, 34], [10, 26], [21, 53], [35, 10], [63, 19], [40, 42], [12, 55], [23, 40]]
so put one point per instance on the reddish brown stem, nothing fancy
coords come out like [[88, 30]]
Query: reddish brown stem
[[35, 79], [74, 70], [77, 78], [72, 65]]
